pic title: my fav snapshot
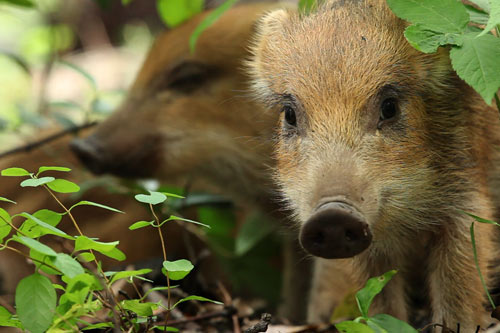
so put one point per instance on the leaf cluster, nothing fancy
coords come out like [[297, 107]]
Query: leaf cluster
[[85, 289], [474, 52]]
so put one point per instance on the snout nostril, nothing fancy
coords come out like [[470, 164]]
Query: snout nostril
[[318, 238], [349, 236]]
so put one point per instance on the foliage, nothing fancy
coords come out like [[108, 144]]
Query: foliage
[[379, 322], [174, 12], [85, 290], [474, 52], [473, 240]]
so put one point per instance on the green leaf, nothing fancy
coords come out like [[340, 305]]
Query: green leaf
[[210, 19], [353, 327], [20, 3], [35, 227], [126, 2], [52, 168], [35, 245], [153, 198], [173, 195], [63, 186], [476, 62], [195, 298], [7, 200], [86, 256], [174, 12], [44, 262], [36, 302], [481, 220], [442, 16], [483, 4], [99, 325], [6, 319], [140, 224], [67, 265], [306, 6], [389, 324], [255, 229], [177, 218], [428, 41], [14, 172], [476, 15], [90, 203], [373, 286], [90, 79], [494, 16], [476, 262], [166, 328], [35, 182], [141, 309], [178, 269], [126, 274], [5, 221], [108, 249]]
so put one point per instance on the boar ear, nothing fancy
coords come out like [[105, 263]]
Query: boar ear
[[272, 22], [268, 28]]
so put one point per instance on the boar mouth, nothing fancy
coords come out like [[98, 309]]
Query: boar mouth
[[335, 230]]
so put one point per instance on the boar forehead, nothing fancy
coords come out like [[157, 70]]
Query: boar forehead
[[340, 56]]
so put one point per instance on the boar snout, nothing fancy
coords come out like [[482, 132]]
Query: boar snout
[[335, 230], [90, 154]]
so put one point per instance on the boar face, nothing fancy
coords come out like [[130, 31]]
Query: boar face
[[188, 114], [372, 139]]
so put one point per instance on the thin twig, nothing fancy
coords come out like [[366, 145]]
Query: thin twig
[[164, 259], [2, 246], [29, 147], [227, 311], [116, 317], [228, 302]]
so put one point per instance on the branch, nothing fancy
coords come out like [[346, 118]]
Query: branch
[[29, 147]]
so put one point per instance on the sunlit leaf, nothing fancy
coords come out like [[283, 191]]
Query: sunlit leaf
[[373, 286], [174, 12], [7, 200], [90, 203], [14, 172], [195, 298], [5, 224], [52, 168], [63, 186], [35, 245], [153, 198], [210, 19], [140, 224], [138, 307], [178, 269], [126, 274], [35, 182]]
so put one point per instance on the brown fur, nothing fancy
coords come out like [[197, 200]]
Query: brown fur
[[411, 178]]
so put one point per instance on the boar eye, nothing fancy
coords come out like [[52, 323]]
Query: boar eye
[[388, 109], [290, 115], [187, 76]]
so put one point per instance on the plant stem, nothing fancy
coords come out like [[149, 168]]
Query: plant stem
[[13, 227], [164, 259], [113, 299], [4, 246]]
